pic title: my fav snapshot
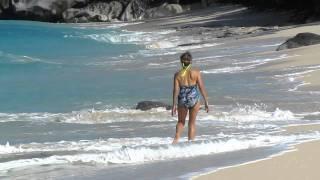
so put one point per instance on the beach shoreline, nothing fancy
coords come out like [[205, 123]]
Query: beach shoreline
[[220, 23], [298, 163], [255, 93], [308, 82]]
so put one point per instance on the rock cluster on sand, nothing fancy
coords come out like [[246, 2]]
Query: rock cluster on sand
[[147, 105], [84, 10], [301, 39]]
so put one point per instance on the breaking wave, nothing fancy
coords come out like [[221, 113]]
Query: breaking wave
[[155, 150]]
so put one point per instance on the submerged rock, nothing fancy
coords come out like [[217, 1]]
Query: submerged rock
[[147, 105], [301, 39]]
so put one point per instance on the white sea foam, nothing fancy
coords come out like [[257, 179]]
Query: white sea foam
[[297, 86], [297, 76], [308, 114], [149, 153], [23, 59], [238, 68], [161, 45], [97, 25], [299, 72], [226, 70], [184, 48], [155, 40], [271, 45], [126, 37], [82, 145], [252, 114], [92, 116], [265, 60]]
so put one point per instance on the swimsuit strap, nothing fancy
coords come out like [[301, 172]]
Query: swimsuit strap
[[185, 69]]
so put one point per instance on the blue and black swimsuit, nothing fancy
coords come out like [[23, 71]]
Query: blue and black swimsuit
[[188, 96]]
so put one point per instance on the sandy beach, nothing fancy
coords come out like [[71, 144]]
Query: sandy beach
[[300, 163], [237, 23], [300, 57]]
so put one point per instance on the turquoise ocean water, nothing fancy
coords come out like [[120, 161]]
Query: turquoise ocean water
[[68, 92]]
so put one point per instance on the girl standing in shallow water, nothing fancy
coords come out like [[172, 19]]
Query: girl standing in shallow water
[[185, 91]]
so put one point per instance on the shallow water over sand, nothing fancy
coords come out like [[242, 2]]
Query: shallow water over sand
[[68, 102]]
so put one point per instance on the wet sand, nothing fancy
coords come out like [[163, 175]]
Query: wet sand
[[300, 163], [307, 56]]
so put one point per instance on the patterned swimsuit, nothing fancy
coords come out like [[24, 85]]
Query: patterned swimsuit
[[188, 96]]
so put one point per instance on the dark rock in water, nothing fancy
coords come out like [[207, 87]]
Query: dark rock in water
[[301, 39], [147, 105]]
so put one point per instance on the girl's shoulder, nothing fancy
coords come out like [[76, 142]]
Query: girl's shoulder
[[195, 69]]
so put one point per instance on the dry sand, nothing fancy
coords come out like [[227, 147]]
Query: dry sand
[[300, 164]]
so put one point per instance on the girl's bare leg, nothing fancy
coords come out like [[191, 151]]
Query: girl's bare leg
[[182, 114], [192, 121]]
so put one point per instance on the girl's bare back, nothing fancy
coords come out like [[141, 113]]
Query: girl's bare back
[[189, 79]]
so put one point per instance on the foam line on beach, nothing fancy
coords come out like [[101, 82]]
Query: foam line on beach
[[140, 154], [93, 116], [238, 68]]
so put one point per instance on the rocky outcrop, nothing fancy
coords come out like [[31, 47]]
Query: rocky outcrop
[[134, 10], [301, 39], [103, 11], [4, 4], [84, 10], [99, 11], [147, 105], [44, 10], [163, 10]]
